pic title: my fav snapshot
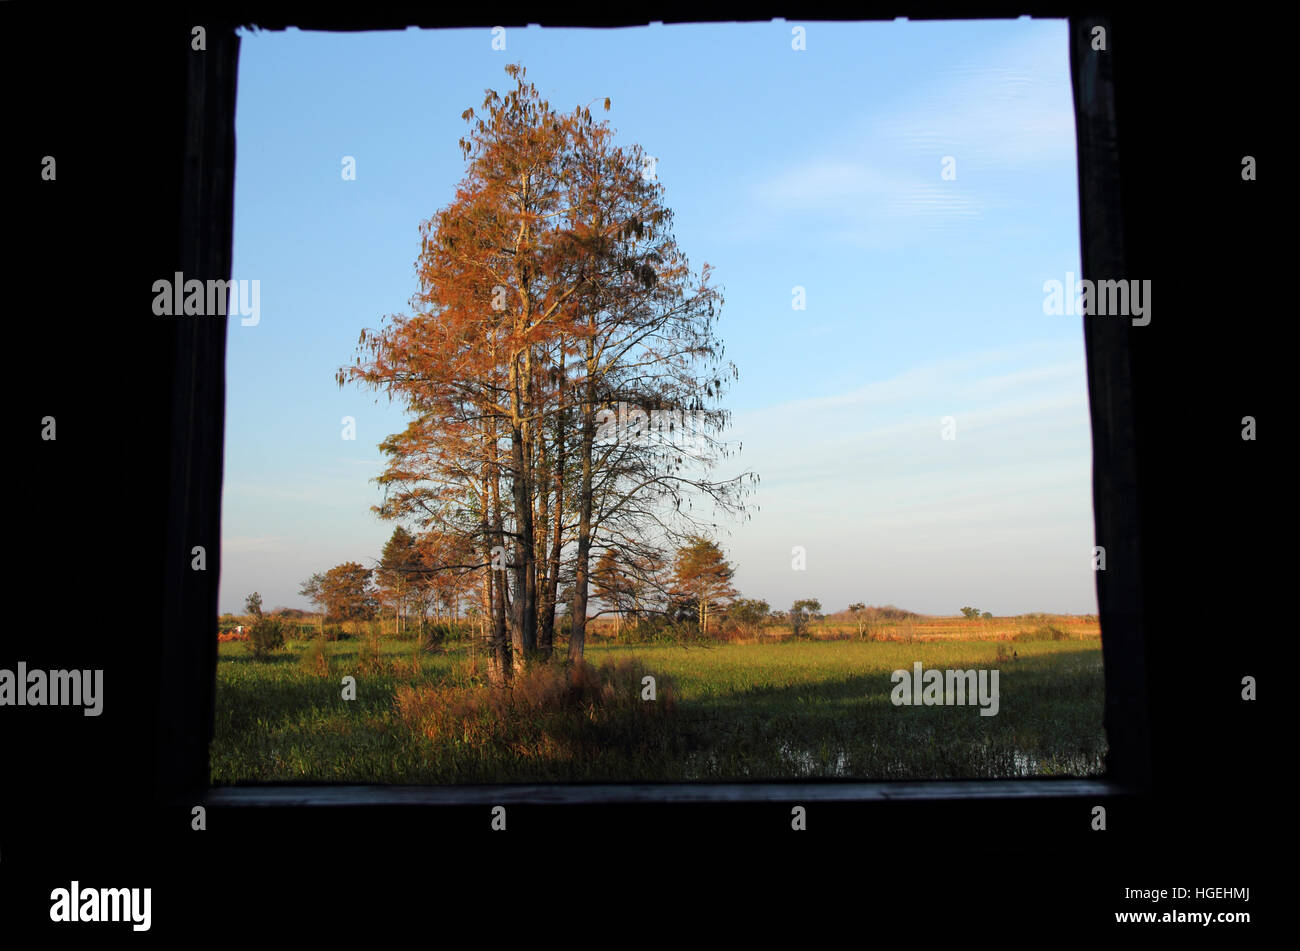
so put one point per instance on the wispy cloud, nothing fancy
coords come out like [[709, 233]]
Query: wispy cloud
[[1015, 423], [1006, 108], [857, 193], [958, 375], [822, 184]]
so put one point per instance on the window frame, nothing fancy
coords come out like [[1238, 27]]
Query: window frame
[[188, 663]]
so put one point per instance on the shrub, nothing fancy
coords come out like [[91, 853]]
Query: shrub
[[802, 614], [429, 638], [433, 637], [316, 659], [266, 635], [1043, 632], [658, 629], [733, 631], [369, 657], [745, 617], [552, 713], [890, 613]]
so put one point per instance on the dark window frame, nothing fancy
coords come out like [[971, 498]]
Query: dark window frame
[[189, 660]]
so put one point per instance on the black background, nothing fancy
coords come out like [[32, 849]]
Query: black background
[[105, 96]]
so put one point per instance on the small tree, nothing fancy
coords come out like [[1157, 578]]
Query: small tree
[[440, 585], [703, 575], [253, 605], [988, 615], [803, 613], [610, 584], [312, 590], [266, 635], [347, 592], [748, 614], [397, 573], [970, 613], [859, 612]]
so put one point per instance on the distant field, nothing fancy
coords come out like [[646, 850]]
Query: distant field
[[782, 710], [927, 628], [924, 629]]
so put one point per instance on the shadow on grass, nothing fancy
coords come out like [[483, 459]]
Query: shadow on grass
[[274, 722]]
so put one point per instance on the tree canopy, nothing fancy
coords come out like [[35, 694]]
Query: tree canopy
[[553, 299]]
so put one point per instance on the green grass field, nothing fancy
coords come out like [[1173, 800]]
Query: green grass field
[[783, 710]]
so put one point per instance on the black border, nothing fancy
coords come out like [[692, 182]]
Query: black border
[[109, 511], [206, 235]]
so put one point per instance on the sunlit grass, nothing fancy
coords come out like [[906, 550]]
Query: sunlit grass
[[743, 711]]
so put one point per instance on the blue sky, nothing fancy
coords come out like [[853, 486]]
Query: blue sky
[[817, 168]]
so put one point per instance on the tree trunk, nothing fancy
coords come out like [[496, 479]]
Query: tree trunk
[[498, 646], [578, 638], [542, 522], [523, 615], [550, 596]]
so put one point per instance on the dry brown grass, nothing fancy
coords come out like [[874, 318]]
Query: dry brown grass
[[896, 626], [534, 715], [923, 629]]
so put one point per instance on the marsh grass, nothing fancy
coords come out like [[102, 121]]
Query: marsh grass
[[785, 710], [555, 722], [315, 659]]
